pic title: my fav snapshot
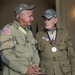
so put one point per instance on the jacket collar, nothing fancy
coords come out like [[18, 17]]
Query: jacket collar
[[16, 24]]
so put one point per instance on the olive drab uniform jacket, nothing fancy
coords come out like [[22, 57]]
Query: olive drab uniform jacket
[[17, 51], [60, 62]]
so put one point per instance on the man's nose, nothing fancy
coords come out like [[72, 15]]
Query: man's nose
[[32, 18]]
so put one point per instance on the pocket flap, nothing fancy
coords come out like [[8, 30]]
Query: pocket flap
[[33, 41], [65, 66], [6, 42], [62, 47]]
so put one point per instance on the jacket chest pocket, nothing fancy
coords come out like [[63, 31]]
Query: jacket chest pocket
[[65, 66], [20, 44], [42, 45], [62, 45]]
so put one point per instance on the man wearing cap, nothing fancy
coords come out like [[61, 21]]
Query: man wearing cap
[[55, 48], [19, 54]]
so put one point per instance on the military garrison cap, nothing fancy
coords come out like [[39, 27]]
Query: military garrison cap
[[49, 13], [22, 7]]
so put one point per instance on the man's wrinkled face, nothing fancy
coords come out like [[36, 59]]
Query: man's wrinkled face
[[50, 23], [27, 17]]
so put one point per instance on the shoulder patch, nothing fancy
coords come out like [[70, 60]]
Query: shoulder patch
[[5, 31]]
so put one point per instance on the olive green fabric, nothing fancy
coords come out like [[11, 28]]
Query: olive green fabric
[[16, 53], [61, 62], [49, 13], [19, 8]]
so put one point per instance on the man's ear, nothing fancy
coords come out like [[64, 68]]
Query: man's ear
[[56, 19], [21, 16]]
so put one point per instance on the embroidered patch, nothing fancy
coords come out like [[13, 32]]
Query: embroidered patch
[[5, 31], [44, 38]]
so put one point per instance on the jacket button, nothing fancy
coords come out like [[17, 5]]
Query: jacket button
[[54, 58]]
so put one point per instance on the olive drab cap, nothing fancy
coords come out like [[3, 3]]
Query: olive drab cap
[[21, 7], [49, 13]]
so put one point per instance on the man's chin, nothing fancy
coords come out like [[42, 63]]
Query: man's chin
[[29, 24], [47, 27]]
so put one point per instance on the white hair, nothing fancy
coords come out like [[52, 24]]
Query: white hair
[[24, 12]]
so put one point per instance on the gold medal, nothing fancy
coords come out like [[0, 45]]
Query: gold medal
[[54, 49]]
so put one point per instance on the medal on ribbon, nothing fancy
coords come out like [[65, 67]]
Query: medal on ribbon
[[23, 30], [26, 39], [52, 38], [54, 49]]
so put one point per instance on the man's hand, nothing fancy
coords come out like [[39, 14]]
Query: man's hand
[[36, 69], [33, 70]]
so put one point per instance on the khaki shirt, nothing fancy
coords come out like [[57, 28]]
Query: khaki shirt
[[17, 53], [61, 62]]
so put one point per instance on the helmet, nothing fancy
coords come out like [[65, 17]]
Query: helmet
[[49, 13]]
